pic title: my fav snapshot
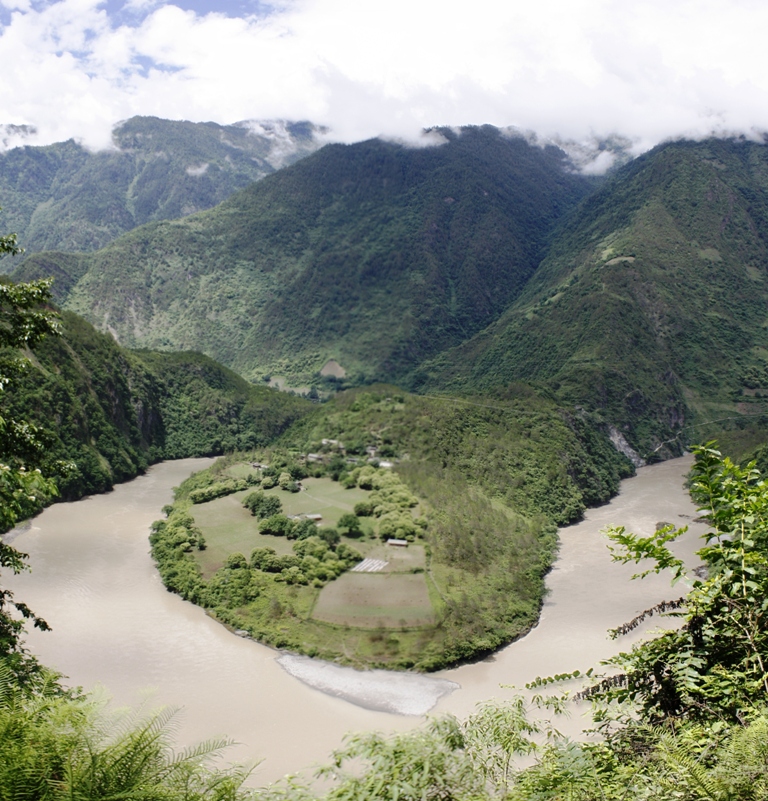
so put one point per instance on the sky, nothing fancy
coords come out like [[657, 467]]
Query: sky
[[580, 70]]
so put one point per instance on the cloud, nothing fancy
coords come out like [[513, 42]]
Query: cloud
[[582, 70]]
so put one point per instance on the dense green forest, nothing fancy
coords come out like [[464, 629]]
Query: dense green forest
[[106, 413], [463, 267], [65, 197], [374, 254], [649, 306]]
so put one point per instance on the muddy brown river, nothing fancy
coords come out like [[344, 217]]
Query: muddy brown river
[[116, 628]]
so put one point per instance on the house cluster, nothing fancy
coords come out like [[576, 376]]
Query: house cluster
[[336, 446]]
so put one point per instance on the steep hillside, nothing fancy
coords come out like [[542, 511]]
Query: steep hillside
[[651, 304], [519, 448], [476, 487], [64, 197], [374, 254], [111, 411]]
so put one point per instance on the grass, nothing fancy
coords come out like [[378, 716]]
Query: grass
[[376, 600], [228, 527], [321, 496]]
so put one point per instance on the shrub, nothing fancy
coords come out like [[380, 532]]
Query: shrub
[[364, 509], [217, 490], [261, 505], [276, 526], [350, 525]]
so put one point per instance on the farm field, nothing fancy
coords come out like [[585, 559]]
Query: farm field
[[376, 600]]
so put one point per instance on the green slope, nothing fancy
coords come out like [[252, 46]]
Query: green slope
[[476, 485], [111, 411], [374, 254], [64, 197], [651, 303]]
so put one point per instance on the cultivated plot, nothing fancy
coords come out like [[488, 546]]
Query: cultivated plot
[[374, 600]]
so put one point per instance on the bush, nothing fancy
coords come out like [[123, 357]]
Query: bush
[[261, 505], [364, 509], [304, 529], [329, 535], [217, 490], [276, 526], [350, 525]]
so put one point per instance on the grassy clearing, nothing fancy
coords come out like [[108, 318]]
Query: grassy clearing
[[376, 600], [321, 496], [230, 528], [399, 560]]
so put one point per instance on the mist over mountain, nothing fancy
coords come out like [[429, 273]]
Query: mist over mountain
[[66, 197]]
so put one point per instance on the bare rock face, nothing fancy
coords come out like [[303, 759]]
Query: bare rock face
[[622, 446]]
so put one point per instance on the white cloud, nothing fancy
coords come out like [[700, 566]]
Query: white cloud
[[648, 69]]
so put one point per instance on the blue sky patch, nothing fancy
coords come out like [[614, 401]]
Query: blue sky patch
[[123, 13]]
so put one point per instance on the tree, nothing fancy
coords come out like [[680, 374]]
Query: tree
[[715, 665], [24, 321], [350, 525], [261, 505], [276, 526], [59, 745]]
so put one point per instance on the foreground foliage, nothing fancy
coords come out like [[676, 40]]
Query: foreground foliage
[[25, 320], [714, 666]]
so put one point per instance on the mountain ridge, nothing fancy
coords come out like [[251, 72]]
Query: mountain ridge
[[373, 254], [66, 197], [650, 302]]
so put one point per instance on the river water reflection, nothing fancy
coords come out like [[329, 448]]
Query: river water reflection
[[115, 625]]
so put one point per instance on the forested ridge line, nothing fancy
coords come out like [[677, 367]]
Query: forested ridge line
[[105, 413]]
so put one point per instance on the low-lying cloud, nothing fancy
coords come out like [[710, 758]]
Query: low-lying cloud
[[580, 70]]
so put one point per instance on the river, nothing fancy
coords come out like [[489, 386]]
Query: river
[[115, 627]]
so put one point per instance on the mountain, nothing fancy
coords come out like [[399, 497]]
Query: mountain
[[65, 197], [111, 412], [650, 305], [375, 255]]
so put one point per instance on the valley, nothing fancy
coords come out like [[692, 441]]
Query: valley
[[483, 343], [541, 316]]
